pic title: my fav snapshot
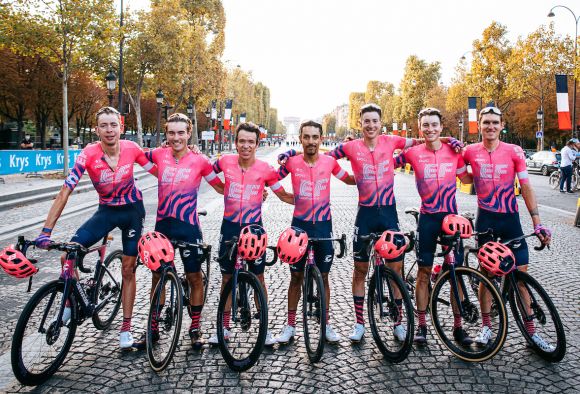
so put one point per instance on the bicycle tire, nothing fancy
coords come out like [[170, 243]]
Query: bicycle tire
[[244, 344], [313, 294], [160, 350], [560, 350], [205, 277], [112, 289], [391, 348], [442, 314], [24, 372], [554, 180]]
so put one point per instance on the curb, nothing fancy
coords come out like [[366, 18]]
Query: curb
[[577, 220]]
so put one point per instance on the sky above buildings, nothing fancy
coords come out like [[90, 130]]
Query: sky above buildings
[[313, 53]]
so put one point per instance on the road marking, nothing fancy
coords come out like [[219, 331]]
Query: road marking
[[558, 210]]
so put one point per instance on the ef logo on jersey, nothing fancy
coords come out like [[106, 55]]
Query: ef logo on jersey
[[369, 170], [437, 171], [242, 192], [312, 189], [492, 171]]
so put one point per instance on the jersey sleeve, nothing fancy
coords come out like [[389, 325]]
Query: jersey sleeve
[[283, 171], [398, 141], [461, 166], [216, 166], [519, 159], [337, 153], [73, 178], [141, 159], [400, 160], [338, 172], [272, 179]]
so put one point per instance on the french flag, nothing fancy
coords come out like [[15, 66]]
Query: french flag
[[395, 129], [228, 114], [564, 122], [214, 114], [404, 130], [472, 114]]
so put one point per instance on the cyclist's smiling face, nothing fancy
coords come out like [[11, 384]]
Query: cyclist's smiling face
[[431, 127], [177, 136], [310, 140], [108, 129], [246, 144], [490, 125], [371, 124]]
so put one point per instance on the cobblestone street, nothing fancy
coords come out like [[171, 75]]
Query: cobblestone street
[[95, 363]]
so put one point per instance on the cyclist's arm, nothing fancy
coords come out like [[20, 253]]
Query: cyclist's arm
[[464, 176], [282, 193], [57, 207], [531, 203], [143, 161], [343, 175], [337, 153], [211, 177]]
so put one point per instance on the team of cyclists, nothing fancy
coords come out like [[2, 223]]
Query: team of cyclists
[[436, 160]]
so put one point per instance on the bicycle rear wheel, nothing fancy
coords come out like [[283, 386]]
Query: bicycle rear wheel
[[545, 321], [107, 290], [313, 313], [39, 344], [164, 321], [390, 314], [554, 180], [241, 339], [443, 311]]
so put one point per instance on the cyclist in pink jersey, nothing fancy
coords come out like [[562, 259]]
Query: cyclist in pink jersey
[[436, 166], [495, 165], [311, 185], [109, 164], [179, 177], [245, 178]]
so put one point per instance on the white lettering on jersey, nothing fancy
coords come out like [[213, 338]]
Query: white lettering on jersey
[[238, 192], [492, 171], [310, 189], [437, 171], [175, 175]]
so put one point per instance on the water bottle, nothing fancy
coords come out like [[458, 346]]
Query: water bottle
[[435, 272]]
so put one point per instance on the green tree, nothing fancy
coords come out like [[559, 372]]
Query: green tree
[[418, 80], [355, 102]]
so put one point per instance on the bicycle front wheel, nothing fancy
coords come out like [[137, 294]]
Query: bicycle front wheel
[[107, 297], [446, 314], [164, 321], [391, 314], [314, 313], [240, 338], [40, 343], [554, 179], [544, 332]]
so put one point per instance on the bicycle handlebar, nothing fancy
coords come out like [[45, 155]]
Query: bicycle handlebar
[[341, 242], [274, 259], [24, 244]]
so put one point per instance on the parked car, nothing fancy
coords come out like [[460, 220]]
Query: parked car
[[529, 152], [544, 161]]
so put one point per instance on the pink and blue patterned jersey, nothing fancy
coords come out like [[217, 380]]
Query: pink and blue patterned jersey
[[311, 185], [243, 188], [435, 173], [114, 187], [178, 183], [494, 175], [373, 170]]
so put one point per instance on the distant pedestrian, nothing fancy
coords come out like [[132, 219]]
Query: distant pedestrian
[[568, 156], [26, 143]]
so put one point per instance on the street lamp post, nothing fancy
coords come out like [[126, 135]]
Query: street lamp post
[[576, 21], [219, 119], [111, 79], [159, 98], [190, 114], [461, 126], [540, 118], [207, 117]]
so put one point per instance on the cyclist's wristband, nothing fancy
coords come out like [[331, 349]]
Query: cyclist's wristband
[[47, 230]]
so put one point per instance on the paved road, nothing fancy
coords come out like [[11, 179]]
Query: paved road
[[95, 363]]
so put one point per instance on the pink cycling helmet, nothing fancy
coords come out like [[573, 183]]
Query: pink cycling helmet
[[292, 245], [154, 248], [391, 244], [253, 242], [496, 258], [454, 223], [15, 264]]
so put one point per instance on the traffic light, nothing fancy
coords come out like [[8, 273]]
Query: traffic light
[[505, 130]]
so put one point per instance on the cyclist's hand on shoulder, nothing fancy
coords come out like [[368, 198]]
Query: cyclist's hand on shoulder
[[194, 149], [43, 240], [264, 195], [283, 157], [543, 233], [454, 143], [349, 137]]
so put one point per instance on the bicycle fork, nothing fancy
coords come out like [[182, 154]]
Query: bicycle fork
[[520, 300]]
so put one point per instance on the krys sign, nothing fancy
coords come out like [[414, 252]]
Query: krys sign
[[19, 161]]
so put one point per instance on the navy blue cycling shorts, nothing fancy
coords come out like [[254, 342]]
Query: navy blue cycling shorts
[[128, 218], [505, 226], [228, 231], [429, 229], [176, 229], [323, 251], [369, 220]]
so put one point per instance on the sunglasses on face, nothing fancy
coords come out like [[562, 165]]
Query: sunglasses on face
[[490, 110]]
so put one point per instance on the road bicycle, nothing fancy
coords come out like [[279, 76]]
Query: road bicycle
[[47, 326], [531, 304], [453, 299], [389, 305], [170, 296], [554, 179], [314, 299], [244, 298]]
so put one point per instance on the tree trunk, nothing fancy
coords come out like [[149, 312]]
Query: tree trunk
[[194, 136], [65, 117]]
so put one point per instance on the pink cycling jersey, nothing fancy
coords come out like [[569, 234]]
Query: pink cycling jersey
[[494, 175], [115, 187], [373, 170], [179, 183], [243, 188], [311, 185], [435, 172]]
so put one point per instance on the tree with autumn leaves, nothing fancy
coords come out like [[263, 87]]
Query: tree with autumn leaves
[[517, 77]]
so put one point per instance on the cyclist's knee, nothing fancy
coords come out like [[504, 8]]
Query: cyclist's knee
[[360, 270], [423, 274], [195, 278], [296, 279]]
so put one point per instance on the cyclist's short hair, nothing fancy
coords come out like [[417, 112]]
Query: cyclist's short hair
[[107, 111], [430, 111], [250, 127], [179, 117], [311, 123], [370, 107]]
